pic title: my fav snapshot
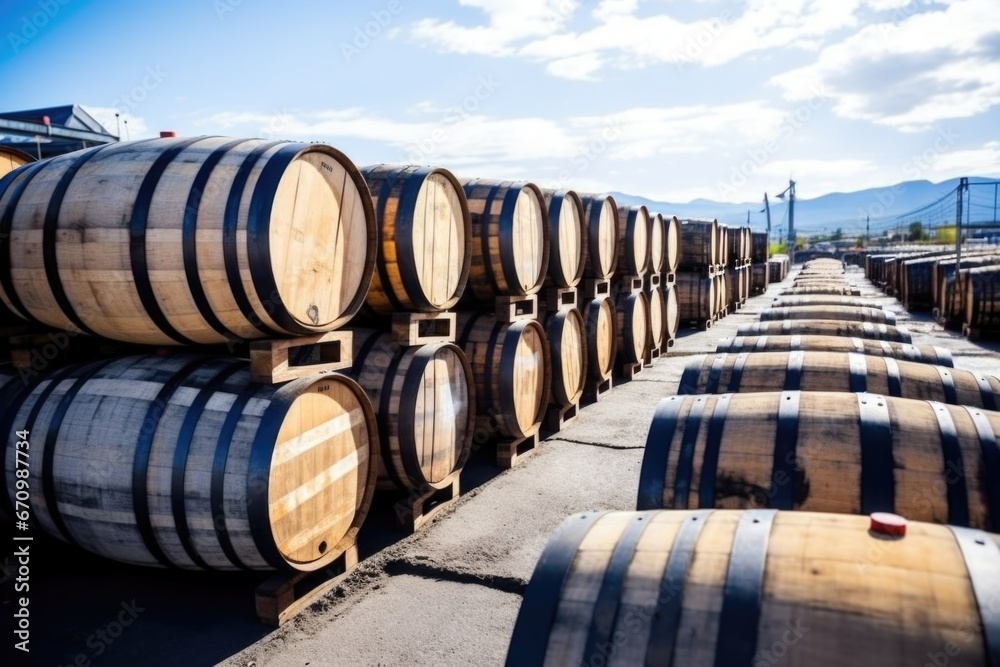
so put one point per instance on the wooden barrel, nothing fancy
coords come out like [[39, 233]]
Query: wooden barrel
[[721, 292], [424, 404], [722, 244], [632, 320], [510, 238], [180, 241], [602, 338], [633, 240], [671, 312], [759, 247], [11, 159], [982, 299], [696, 299], [843, 313], [601, 250], [821, 300], [826, 328], [657, 319], [184, 462], [657, 244], [917, 353], [838, 371], [567, 237], [823, 451], [425, 239], [698, 244], [671, 244], [757, 587], [806, 291], [512, 369], [567, 335]]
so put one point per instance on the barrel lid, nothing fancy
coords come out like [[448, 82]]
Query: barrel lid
[[887, 523]]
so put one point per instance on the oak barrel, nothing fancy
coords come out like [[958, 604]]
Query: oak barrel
[[671, 244], [184, 462], [510, 238], [632, 326], [567, 237], [657, 244], [11, 159], [696, 298], [982, 299], [822, 451], [756, 588], [180, 241], [671, 312], [633, 240], [566, 332], [879, 348], [826, 328], [805, 291], [843, 313], [512, 368], [425, 239], [838, 371], [820, 300], [601, 250], [602, 338], [424, 404], [657, 319], [698, 244]]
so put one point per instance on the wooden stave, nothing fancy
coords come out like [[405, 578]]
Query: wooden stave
[[555, 200], [495, 410], [266, 406], [726, 587], [494, 272], [600, 263], [845, 313], [251, 305], [657, 244], [839, 452], [387, 370], [838, 371], [597, 311], [821, 300], [937, 356], [633, 240], [671, 312], [698, 244], [826, 328], [672, 244], [401, 183], [563, 394]]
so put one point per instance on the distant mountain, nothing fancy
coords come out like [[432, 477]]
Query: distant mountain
[[846, 210]]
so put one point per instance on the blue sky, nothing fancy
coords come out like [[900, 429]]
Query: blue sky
[[666, 99]]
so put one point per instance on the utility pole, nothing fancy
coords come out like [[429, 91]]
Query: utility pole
[[791, 222], [868, 231], [767, 209], [963, 185]]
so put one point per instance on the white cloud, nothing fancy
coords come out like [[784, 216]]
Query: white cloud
[[911, 72], [982, 161]]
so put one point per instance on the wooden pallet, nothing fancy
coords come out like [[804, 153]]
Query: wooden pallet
[[669, 278], [653, 281], [628, 371], [557, 418], [273, 361], [516, 308], [593, 289], [420, 508], [558, 299], [413, 329], [595, 391], [651, 354], [510, 452], [282, 596]]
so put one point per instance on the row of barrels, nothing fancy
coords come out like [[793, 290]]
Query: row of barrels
[[709, 245], [961, 294], [744, 549]]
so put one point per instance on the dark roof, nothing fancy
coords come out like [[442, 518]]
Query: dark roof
[[70, 129]]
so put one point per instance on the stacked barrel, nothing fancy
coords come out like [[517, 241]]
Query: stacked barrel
[[748, 485], [179, 455], [738, 267], [700, 283], [760, 252]]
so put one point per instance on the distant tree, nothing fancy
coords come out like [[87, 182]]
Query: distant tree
[[859, 242], [917, 232], [838, 234], [800, 242]]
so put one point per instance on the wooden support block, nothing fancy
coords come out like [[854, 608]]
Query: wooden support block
[[653, 281], [667, 344], [593, 289], [418, 509], [412, 329], [557, 418], [274, 361], [558, 299], [631, 284], [284, 595], [628, 371], [516, 308], [596, 390], [669, 278], [651, 354], [510, 452]]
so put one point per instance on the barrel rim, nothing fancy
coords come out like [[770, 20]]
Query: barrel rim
[[558, 199], [557, 321]]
